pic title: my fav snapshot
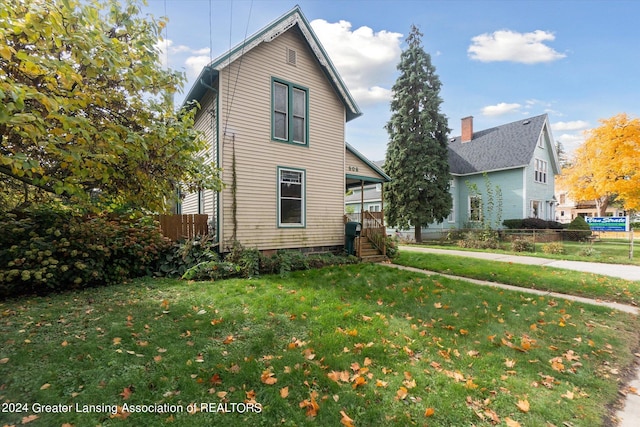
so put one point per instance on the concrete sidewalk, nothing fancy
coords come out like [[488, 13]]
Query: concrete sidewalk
[[629, 415], [628, 272]]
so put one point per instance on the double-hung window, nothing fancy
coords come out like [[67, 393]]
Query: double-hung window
[[290, 115], [291, 197], [475, 208], [540, 174]]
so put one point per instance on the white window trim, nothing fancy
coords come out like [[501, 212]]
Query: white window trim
[[474, 196]]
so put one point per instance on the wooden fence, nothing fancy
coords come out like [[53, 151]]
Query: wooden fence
[[178, 227]]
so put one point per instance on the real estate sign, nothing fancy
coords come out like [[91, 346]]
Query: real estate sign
[[608, 223]]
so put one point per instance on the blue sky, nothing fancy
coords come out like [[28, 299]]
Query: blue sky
[[498, 61]]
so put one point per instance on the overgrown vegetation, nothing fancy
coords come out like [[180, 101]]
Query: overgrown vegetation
[[52, 249], [249, 262]]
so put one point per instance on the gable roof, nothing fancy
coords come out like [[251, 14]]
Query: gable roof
[[265, 35], [503, 147], [353, 180]]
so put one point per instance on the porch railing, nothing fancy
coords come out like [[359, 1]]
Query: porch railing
[[373, 228]]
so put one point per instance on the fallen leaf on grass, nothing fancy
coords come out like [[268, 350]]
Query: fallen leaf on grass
[[126, 392], [402, 393], [512, 423], [284, 392], [120, 413], [4, 360], [28, 419], [268, 377], [523, 405], [429, 412], [311, 404], [45, 386], [345, 420]]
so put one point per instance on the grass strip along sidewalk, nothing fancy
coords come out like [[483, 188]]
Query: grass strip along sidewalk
[[361, 345], [527, 276]]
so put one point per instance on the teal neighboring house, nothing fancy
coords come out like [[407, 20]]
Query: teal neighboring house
[[515, 164]]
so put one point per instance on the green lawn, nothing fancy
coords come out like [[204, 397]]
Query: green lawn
[[380, 346], [527, 276], [612, 251]]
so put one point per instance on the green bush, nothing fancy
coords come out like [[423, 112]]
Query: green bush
[[49, 249], [483, 239], [243, 262], [391, 246], [212, 270], [578, 230], [522, 245], [531, 224], [186, 254], [513, 224]]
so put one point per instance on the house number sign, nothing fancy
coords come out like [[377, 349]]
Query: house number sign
[[353, 168]]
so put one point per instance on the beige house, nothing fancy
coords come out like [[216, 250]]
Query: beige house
[[274, 111]]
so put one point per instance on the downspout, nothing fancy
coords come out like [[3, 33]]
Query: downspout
[[218, 159]]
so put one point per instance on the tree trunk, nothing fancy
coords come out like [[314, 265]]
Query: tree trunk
[[418, 233], [602, 203]]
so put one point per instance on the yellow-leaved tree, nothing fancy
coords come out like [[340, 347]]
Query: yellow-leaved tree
[[85, 107], [607, 165]]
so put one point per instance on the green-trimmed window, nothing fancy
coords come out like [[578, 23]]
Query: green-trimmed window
[[291, 197], [290, 115]]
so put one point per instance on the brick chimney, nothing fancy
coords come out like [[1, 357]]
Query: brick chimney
[[467, 129]]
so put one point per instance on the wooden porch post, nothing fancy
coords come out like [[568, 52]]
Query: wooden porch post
[[384, 228], [361, 218]]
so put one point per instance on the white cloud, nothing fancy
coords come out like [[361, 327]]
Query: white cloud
[[500, 109], [507, 45], [194, 63], [570, 126], [571, 141], [366, 60]]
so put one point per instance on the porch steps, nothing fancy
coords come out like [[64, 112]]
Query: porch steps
[[369, 253]]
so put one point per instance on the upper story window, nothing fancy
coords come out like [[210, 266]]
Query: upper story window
[[540, 174], [290, 113]]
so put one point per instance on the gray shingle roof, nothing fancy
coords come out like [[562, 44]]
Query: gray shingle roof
[[502, 147]]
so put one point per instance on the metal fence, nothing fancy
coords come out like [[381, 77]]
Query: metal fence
[[537, 236]]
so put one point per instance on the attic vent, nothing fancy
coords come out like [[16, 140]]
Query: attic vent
[[526, 122], [291, 56]]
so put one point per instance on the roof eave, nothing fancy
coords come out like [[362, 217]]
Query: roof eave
[[368, 162], [269, 33]]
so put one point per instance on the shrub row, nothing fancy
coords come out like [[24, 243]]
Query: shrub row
[[531, 224], [243, 262], [52, 250]]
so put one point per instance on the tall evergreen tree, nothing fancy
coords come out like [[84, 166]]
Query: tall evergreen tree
[[417, 155]]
